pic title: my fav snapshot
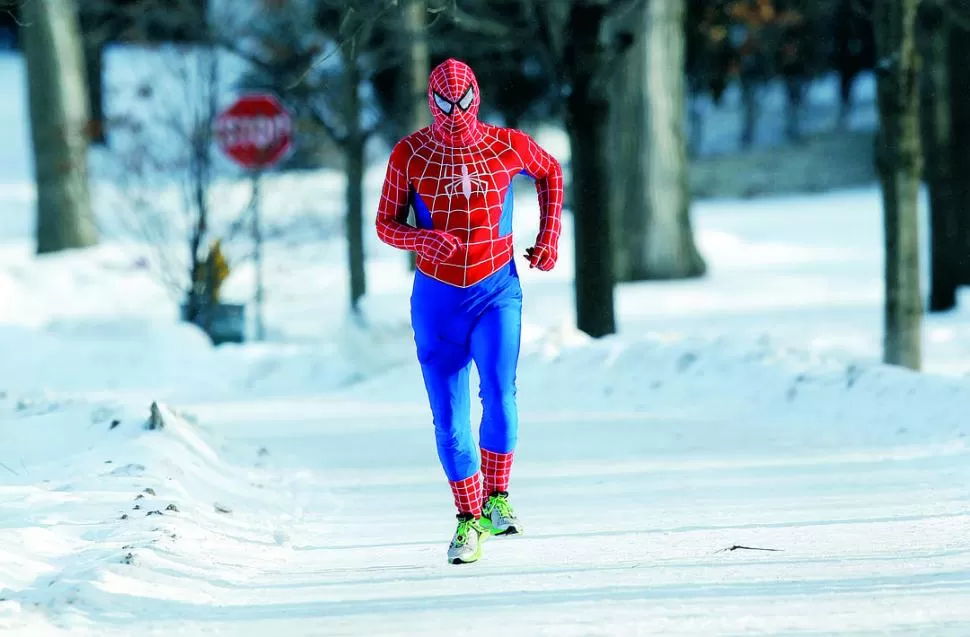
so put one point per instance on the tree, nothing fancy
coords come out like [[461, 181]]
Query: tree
[[105, 22], [666, 247], [578, 43], [955, 238], [899, 161], [628, 139], [353, 142], [416, 74], [585, 61], [948, 246], [629, 192], [320, 56], [58, 121], [162, 171]]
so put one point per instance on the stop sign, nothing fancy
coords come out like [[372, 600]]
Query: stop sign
[[256, 131]]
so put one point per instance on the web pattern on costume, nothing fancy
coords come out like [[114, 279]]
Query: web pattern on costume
[[461, 190], [468, 494]]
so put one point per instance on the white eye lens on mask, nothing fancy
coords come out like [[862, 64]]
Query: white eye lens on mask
[[467, 99], [442, 103]]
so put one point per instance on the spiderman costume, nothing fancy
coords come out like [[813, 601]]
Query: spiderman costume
[[466, 302]]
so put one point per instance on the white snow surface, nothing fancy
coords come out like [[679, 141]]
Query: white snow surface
[[294, 488]]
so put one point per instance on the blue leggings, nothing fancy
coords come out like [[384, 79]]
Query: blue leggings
[[454, 327]]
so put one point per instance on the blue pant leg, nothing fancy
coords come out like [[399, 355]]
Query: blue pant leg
[[440, 335], [495, 342], [446, 380]]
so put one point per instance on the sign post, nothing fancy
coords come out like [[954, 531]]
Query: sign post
[[256, 132]]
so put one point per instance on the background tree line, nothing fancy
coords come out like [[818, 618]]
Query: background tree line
[[616, 74]]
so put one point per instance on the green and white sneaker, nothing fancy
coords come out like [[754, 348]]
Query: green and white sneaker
[[466, 545], [498, 516]]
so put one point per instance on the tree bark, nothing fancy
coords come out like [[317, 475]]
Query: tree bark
[[94, 74], [354, 156], [667, 250], [948, 255], [59, 119], [959, 78], [899, 161], [628, 140], [587, 114], [415, 14]]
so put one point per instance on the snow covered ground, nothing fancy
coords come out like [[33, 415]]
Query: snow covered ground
[[293, 488]]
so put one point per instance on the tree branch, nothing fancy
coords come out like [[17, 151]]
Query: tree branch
[[485, 25], [386, 6], [328, 126]]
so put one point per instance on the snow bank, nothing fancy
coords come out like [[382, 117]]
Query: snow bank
[[751, 381], [135, 358], [762, 395], [92, 490]]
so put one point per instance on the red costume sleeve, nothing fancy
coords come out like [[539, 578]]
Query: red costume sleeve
[[547, 173], [392, 211]]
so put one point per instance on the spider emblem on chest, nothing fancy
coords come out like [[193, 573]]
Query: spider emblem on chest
[[463, 182]]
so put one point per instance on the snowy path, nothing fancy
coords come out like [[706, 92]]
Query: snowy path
[[627, 515], [627, 541]]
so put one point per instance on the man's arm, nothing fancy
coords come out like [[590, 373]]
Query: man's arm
[[547, 172], [392, 214], [392, 211]]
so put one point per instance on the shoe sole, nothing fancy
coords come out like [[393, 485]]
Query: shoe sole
[[512, 530]]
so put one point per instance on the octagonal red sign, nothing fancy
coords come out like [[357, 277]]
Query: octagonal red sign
[[256, 131]]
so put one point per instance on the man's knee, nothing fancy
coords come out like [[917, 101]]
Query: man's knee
[[500, 433], [497, 389], [499, 415]]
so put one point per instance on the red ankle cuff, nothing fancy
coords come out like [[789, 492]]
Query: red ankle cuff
[[468, 494], [497, 470]]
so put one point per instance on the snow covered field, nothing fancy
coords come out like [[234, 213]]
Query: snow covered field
[[294, 489]]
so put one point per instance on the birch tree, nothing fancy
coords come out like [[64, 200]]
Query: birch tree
[[59, 116], [899, 161]]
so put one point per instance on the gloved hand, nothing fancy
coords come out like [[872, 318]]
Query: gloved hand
[[542, 256], [436, 245]]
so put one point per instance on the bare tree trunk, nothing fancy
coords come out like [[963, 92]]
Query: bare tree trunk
[[415, 15], [59, 120], [200, 301], [668, 250], [899, 160], [959, 78], [354, 156], [587, 113], [947, 254], [94, 74], [628, 167]]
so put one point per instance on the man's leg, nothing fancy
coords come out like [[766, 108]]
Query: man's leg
[[446, 380], [495, 342], [440, 336]]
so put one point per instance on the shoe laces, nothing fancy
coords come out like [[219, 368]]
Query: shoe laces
[[501, 505], [461, 534]]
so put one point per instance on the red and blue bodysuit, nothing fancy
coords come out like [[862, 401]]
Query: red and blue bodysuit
[[466, 301]]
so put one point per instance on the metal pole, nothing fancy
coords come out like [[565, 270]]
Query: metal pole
[[258, 258]]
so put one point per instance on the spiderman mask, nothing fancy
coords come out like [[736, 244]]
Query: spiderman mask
[[454, 100]]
